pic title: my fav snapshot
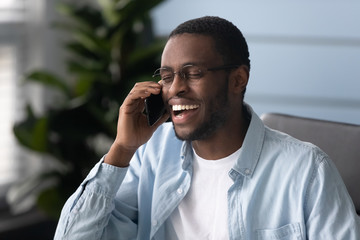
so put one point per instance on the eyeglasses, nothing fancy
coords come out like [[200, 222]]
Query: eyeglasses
[[187, 72]]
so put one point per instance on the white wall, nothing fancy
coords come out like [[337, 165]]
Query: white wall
[[305, 55]]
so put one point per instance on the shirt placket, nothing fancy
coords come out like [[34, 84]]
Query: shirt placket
[[236, 225]]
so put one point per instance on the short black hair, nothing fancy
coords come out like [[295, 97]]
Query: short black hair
[[229, 41]]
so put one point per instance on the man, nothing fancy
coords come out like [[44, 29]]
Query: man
[[215, 172]]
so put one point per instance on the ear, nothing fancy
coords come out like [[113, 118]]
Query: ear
[[238, 79]]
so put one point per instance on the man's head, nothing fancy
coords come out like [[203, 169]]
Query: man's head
[[204, 77]]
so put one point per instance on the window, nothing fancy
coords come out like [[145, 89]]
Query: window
[[27, 42], [7, 106], [11, 30], [11, 11]]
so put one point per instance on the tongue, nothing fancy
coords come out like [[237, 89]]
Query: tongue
[[178, 112]]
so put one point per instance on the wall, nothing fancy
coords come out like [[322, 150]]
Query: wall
[[305, 55]]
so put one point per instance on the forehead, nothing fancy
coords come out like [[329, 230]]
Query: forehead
[[190, 49]]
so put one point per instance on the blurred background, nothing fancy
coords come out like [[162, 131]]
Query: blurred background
[[65, 67]]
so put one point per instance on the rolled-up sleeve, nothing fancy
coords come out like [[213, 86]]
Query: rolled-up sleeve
[[87, 212]]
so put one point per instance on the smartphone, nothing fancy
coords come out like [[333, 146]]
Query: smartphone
[[154, 108]]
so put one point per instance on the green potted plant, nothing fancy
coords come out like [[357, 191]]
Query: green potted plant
[[111, 48]]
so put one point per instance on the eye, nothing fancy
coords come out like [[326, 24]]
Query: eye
[[193, 72], [166, 78], [194, 75]]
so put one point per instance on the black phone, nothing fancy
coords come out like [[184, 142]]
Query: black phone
[[154, 108]]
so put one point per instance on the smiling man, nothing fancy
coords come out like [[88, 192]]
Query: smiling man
[[215, 171]]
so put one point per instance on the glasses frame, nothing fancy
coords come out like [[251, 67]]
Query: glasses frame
[[183, 76]]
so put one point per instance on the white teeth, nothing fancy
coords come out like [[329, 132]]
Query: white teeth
[[184, 107]]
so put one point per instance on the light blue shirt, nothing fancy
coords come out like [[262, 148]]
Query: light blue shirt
[[282, 189]]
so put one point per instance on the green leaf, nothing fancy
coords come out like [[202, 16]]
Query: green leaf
[[84, 84], [83, 16], [136, 9], [91, 41], [79, 50], [50, 80], [109, 10], [33, 133]]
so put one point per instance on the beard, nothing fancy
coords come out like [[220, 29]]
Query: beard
[[219, 111]]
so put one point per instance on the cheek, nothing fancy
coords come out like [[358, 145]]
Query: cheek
[[164, 94], [219, 99]]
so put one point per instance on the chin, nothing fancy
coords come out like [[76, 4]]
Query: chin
[[193, 135], [182, 134]]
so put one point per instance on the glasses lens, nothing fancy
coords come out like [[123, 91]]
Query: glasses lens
[[162, 74], [166, 74], [191, 72], [157, 75], [187, 72]]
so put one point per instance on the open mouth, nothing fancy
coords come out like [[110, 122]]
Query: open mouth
[[179, 109]]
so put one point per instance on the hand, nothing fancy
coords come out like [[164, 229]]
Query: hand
[[133, 129]]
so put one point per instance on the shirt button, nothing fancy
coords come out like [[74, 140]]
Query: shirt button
[[247, 171], [179, 191], [154, 223]]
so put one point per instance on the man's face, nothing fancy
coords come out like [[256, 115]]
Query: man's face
[[198, 107]]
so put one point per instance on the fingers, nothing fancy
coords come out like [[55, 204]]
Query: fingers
[[144, 89], [135, 99]]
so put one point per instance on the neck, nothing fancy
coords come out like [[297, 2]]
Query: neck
[[225, 141]]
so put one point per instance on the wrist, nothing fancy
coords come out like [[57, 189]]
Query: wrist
[[119, 156]]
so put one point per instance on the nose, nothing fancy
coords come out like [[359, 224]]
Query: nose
[[178, 86]]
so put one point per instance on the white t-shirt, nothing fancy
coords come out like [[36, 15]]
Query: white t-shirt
[[203, 212]]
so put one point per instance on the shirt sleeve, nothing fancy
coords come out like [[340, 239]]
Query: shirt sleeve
[[88, 212], [330, 212]]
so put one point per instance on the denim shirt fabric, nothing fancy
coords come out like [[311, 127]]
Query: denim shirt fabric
[[283, 189]]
